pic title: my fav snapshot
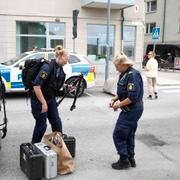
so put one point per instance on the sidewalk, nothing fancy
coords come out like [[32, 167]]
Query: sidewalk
[[165, 77]]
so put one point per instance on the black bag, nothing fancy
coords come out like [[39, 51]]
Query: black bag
[[70, 142], [31, 161], [30, 71]]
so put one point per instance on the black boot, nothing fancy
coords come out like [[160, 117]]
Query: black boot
[[156, 96], [121, 164], [132, 162], [149, 97]]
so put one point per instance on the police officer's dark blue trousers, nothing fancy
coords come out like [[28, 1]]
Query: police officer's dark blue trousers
[[40, 124], [124, 132]]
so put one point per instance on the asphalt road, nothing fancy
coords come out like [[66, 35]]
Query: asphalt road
[[92, 123]]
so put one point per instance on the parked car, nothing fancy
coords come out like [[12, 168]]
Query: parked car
[[12, 78], [165, 54]]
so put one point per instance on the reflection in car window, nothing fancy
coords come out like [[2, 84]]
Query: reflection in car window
[[36, 56], [73, 59], [177, 52], [51, 56], [15, 59], [33, 56]]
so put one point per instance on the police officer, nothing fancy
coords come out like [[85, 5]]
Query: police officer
[[49, 80], [129, 100]]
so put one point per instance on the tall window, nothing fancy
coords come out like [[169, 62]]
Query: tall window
[[96, 42], [40, 34], [151, 6], [149, 27], [129, 43]]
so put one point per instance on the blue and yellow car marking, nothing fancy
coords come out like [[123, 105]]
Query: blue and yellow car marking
[[17, 85], [19, 76], [6, 74], [85, 69], [81, 68]]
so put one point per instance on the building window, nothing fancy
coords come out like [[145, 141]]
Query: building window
[[149, 27], [151, 6], [40, 34], [96, 41], [179, 26], [129, 41]]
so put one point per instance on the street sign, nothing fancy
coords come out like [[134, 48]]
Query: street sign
[[156, 33]]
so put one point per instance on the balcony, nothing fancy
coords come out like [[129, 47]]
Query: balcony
[[115, 4]]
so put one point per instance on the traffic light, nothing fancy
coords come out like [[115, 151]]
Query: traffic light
[[75, 16]]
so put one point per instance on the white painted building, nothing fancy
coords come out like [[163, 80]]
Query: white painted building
[[28, 23]]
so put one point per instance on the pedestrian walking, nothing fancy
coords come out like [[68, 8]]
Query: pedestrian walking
[[129, 100], [152, 74], [49, 80]]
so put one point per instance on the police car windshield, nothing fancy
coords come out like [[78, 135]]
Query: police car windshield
[[15, 59]]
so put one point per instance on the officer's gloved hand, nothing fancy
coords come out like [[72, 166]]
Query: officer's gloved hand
[[116, 106], [70, 88], [111, 103]]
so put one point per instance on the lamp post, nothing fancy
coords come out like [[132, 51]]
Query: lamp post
[[107, 40]]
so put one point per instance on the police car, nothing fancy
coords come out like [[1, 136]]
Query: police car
[[77, 64]]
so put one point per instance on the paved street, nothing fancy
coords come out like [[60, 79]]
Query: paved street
[[92, 122]]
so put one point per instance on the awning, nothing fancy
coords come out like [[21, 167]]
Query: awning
[[115, 4]]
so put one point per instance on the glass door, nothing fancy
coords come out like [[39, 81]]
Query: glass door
[[53, 42]]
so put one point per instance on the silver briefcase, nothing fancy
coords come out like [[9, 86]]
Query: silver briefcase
[[50, 160]]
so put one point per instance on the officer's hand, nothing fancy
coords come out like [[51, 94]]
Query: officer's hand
[[44, 108], [116, 106], [70, 88], [111, 103]]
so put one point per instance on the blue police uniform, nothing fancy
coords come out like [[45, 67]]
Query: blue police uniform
[[130, 85], [51, 78]]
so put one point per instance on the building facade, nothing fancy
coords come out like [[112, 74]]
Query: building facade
[[26, 24], [166, 15]]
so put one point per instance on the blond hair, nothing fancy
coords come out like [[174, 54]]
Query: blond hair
[[153, 53], [60, 51], [122, 59]]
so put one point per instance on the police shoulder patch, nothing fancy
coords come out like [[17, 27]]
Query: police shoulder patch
[[131, 86], [44, 75]]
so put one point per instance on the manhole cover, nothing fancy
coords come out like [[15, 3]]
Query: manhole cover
[[150, 140]]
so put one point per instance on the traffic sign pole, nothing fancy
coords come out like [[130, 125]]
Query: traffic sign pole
[[154, 45]]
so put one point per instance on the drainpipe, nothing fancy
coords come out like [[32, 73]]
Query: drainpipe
[[164, 20], [122, 29], [122, 25]]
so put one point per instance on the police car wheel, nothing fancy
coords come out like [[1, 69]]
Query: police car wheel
[[81, 90]]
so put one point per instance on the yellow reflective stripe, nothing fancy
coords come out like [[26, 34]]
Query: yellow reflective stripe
[[90, 77], [8, 85]]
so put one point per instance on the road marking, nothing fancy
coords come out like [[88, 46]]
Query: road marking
[[171, 91], [168, 87], [89, 94]]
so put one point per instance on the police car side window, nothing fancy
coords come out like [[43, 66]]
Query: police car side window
[[73, 59], [33, 56], [51, 56]]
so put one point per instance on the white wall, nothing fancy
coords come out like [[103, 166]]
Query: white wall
[[49, 11]]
